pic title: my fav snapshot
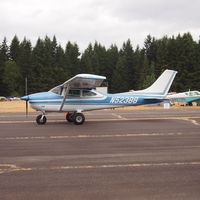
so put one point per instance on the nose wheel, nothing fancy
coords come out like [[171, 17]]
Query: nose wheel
[[41, 119]]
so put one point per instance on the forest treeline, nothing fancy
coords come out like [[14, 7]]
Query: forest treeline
[[48, 64]]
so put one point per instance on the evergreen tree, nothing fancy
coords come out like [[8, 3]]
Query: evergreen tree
[[25, 63], [11, 78], [150, 49], [37, 81], [72, 59], [60, 71], [185, 65], [144, 70], [161, 56], [119, 82], [140, 63], [100, 59], [86, 60], [94, 60], [125, 73], [49, 61], [112, 59], [15, 49], [149, 76], [3, 58], [195, 75]]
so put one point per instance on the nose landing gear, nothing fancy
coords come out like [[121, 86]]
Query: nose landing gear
[[41, 119]]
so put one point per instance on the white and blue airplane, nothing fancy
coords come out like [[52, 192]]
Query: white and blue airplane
[[185, 97], [78, 94]]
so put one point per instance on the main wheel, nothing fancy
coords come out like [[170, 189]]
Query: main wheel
[[70, 117], [41, 119], [79, 118]]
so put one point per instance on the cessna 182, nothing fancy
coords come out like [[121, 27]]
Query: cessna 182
[[78, 95]]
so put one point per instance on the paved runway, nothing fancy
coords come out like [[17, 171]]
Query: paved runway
[[138, 154]]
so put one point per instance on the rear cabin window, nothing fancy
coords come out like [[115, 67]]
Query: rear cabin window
[[75, 93], [88, 93]]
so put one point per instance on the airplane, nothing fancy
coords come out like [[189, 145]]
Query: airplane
[[78, 95], [185, 97]]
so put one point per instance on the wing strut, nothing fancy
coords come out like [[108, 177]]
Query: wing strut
[[66, 89]]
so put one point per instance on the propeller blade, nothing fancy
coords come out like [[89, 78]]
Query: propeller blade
[[26, 92], [26, 108]]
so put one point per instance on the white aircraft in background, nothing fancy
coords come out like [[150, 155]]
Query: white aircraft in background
[[78, 95], [185, 97]]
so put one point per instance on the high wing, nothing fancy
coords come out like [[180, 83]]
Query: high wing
[[84, 81], [79, 81]]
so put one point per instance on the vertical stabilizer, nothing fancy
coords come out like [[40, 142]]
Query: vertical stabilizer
[[162, 85]]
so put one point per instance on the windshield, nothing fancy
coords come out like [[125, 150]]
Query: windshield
[[57, 90], [192, 93]]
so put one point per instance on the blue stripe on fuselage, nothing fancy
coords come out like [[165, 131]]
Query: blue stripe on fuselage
[[110, 99]]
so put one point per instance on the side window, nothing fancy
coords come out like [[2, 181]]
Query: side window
[[88, 93], [75, 93]]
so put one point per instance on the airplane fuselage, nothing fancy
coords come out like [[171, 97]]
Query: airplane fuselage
[[51, 102]]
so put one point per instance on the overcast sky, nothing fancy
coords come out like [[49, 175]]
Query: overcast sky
[[106, 21]]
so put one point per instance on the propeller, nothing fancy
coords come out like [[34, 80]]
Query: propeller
[[26, 97], [26, 93]]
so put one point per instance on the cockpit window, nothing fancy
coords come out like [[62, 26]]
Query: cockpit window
[[88, 93], [57, 90], [196, 93], [75, 93]]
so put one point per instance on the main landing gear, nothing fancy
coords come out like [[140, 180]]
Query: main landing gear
[[77, 118]]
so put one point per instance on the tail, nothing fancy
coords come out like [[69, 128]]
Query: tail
[[162, 85]]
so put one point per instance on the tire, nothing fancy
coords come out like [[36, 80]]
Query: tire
[[70, 117], [41, 119], [79, 118]]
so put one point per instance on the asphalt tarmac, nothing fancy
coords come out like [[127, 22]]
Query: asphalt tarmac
[[138, 154]]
